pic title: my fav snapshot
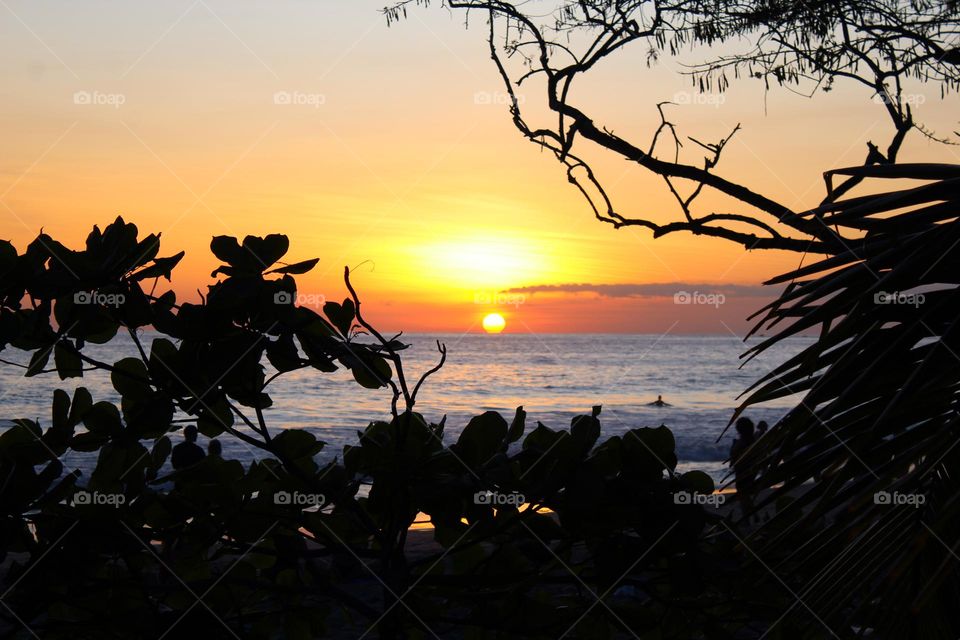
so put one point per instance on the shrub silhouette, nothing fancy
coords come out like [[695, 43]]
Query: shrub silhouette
[[540, 532]]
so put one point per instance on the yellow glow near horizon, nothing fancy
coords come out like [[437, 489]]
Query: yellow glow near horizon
[[488, 263], [494, 323], [387, 159]]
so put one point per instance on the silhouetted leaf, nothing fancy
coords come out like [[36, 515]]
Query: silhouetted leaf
[[585, 430], [215, 417], [130, 377], [161, 267], [371, 371], [68, 363], [297, 268], [38, 361], [698, 481], [341, 315], [517, 425], [297, 443], [161, 451], [481, 438], [103, 418], [282, 353], [8, 256], [227, 249], [82, 401], [267, 250]]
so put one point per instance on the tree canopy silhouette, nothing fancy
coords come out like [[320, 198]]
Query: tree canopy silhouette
[[807, 46]]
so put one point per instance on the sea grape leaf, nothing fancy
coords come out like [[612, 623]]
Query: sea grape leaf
[[517, 426], [68, 363], [130, 379], [297, 268], [482, 437]]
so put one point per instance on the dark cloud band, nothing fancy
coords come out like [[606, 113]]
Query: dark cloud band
[[660, 290]]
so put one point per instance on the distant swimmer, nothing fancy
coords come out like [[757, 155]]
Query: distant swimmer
[[659, 402]]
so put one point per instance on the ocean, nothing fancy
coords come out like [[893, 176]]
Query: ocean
[[554, 377]]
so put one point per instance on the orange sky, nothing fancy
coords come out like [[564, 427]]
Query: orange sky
[[384, 155]]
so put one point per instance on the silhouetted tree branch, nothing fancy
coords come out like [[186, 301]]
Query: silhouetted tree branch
[[878, 44]]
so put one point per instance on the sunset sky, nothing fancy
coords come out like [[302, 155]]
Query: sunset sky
[[384, 158]]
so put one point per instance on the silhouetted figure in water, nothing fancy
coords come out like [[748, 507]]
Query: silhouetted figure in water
[[761, 428], [188, 452], [215, 449], [658, 402], [743, 473]]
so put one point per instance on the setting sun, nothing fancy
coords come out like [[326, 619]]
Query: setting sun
[[494, 323]]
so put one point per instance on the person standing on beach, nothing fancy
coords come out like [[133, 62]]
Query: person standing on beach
[[188, 452], [743, 474]]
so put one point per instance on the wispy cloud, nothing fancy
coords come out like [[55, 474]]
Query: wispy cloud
[[661, 290]]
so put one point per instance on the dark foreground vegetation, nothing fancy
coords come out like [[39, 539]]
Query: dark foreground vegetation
[[529, 536], [539, 533]]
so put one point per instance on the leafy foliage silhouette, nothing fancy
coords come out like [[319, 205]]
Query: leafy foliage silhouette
[[884, 48], [879, 408], [286, 546], [879, 414]]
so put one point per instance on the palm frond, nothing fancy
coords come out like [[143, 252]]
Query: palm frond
[[879, 415]]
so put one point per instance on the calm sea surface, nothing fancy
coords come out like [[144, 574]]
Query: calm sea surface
[[554, 377]]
